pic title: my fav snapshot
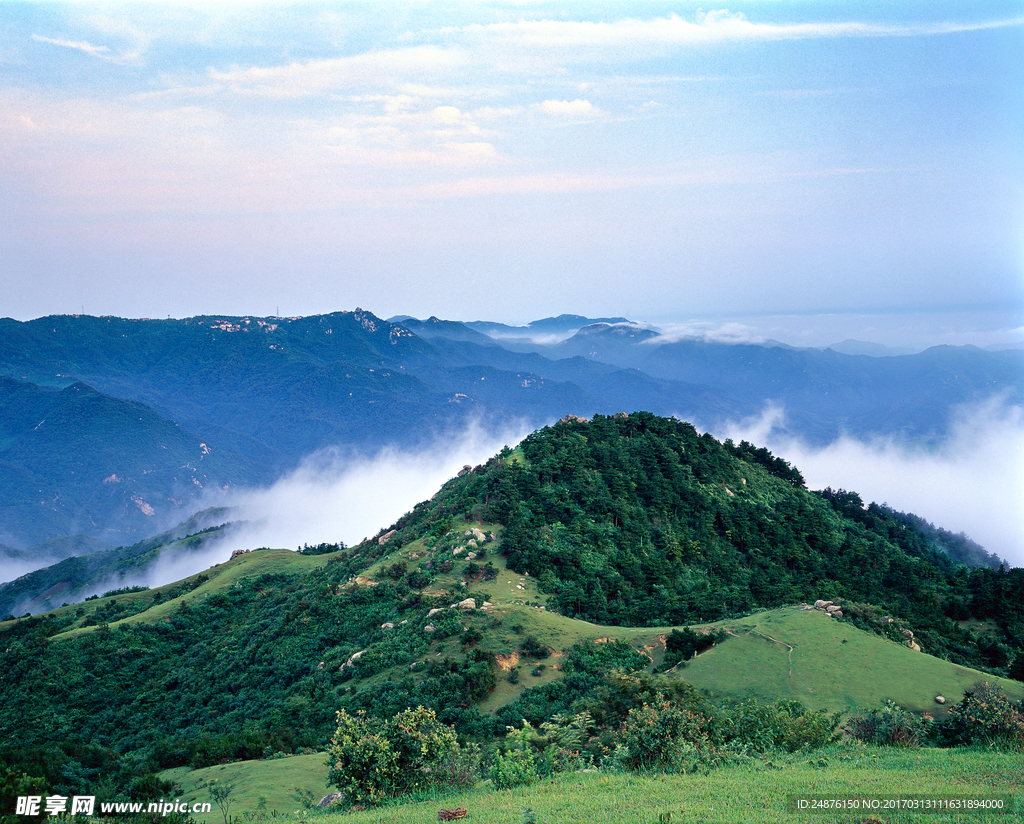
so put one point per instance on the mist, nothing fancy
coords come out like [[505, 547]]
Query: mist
[[972, 483], [334, 497]]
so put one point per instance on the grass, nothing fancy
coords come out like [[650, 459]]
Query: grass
[[832, 665], [753, 793], [275, 781]]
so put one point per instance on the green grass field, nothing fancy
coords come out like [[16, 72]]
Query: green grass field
[[754, 793]]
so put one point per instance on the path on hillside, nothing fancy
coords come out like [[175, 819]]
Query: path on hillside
[[777, 641]]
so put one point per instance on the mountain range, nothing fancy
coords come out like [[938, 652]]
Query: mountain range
[[117, 429]]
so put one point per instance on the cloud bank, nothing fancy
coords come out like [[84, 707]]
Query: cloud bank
[[973, 482]]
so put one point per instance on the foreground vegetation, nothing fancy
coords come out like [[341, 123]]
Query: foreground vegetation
[[757, 792]]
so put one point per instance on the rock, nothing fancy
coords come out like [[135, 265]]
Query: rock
[[430, 628], [914, 646], [488, 605], [478, 535], [837, 614], [388, 625], [832, 608], [465, 470], [328, 800], [321, 665], [387, 536], [471, 556], [458, 550], [467, 604], [908, 634], [433, 611], [355, 656], [819, 604], [471, 543], [940, 699]]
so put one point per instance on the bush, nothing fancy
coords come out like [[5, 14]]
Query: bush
[[517, 766], [784, 725], [986, 716], [371, 759], [891, 726], [662, 735]]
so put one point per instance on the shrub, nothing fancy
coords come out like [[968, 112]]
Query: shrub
[[517, 766], [988, 717], [662, 735], [371, 759], [891, 726], [784, 725]]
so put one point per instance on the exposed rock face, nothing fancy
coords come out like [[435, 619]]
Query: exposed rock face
[[387, 536], [573, 418]]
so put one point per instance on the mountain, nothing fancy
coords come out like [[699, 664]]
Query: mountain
[[521, 590], [80, 461], [234, 401], [545, 329]]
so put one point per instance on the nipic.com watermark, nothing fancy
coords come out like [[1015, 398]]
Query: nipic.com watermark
[[35, 805]]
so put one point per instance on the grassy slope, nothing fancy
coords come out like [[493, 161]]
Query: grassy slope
[[754, 794], [275, 780], [832, 666]]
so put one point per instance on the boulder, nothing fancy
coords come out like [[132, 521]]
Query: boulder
[[388, 625], [908, 634], [329, 799], [387, 536], [433, 611], [478, 535], [467, 604], [430, 628], [819, 604], [939, 699]]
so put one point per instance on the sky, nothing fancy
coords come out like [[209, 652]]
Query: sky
[[843, 166]]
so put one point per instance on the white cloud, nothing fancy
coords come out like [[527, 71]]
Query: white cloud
[[380, 69], [81, 45], [719, 26], [973, 482], [731, 332], [331, 497], [572, 108]]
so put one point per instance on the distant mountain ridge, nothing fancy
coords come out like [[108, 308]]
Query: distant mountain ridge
[[155, 412]]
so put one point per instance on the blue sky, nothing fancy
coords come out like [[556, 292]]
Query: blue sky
[[662, 161]]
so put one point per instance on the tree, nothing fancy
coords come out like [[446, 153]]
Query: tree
[[221, 795]]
